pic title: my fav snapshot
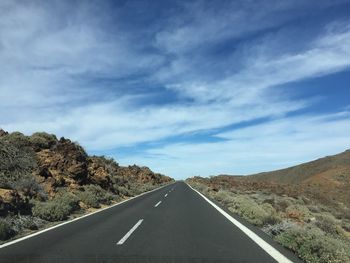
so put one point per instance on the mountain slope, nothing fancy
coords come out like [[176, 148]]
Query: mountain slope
[[334, 170]]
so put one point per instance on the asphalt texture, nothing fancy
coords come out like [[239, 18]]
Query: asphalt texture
[[182, 228]]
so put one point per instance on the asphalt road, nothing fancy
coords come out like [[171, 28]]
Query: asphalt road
[[172, 224]]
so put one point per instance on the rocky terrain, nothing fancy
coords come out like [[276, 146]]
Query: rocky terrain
[[44, 180], [306, 208]]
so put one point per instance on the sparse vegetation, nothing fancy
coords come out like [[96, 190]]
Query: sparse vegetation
[[313, 246], [314, 227]]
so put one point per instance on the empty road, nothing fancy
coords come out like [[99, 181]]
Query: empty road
[[171, 224]]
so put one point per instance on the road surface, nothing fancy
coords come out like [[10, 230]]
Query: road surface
[[172, 224]]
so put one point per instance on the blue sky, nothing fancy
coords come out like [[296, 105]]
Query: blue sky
[[184, 87]]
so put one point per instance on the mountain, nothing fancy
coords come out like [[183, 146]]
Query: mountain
[[331, 170]]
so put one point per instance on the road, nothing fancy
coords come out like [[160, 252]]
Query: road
[[172, 224]]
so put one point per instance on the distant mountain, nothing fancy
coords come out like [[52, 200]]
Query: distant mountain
[[328, 171], [326, 179]]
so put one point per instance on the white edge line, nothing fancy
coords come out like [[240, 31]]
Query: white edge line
[[157, 204], [274, 253], [76, 219], [127, 235]]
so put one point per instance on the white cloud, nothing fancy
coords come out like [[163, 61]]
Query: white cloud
[[274, 145], [45, 51]]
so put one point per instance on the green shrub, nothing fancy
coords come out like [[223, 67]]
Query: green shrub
[[94, 195], [56, 209], [21, 222], [51, 211], [17, 139], [312, 245], [30, 187], [5, 230], [253, 212], [42, 140], [346, 225], [282, 203], [328, 224], [121, 190], [224, 197], [17, 160]]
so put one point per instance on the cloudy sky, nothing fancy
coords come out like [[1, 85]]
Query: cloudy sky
[[185, 87]]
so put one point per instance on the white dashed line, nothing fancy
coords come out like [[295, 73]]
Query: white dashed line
[[127, 235], [75, 219], [165, 195], [157, 204]]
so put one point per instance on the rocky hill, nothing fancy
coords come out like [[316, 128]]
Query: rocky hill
[[45, 179]]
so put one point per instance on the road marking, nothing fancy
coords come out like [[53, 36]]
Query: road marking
[[165, 195], [75, 219], [127, 235], [274, 253], [157, 204]]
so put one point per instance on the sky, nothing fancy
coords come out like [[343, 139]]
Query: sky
[[185, 87]]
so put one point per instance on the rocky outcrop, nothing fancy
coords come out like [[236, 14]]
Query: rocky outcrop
[[40, 165], [100, 172], [143, 175], [64, 164]]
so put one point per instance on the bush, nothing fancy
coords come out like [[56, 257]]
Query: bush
[[17, 160], [328, 224], [20, 222], [253, 212], [282, 204], [5, 230], [312, 245], [300, 212], [346, 225], [56, 209], [94, 195], [224, 197], [30, 187], [42, 140], [121, 190]]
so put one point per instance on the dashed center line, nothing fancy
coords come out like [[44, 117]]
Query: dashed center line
[[127, 235], [157, 204], [165, 195]]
